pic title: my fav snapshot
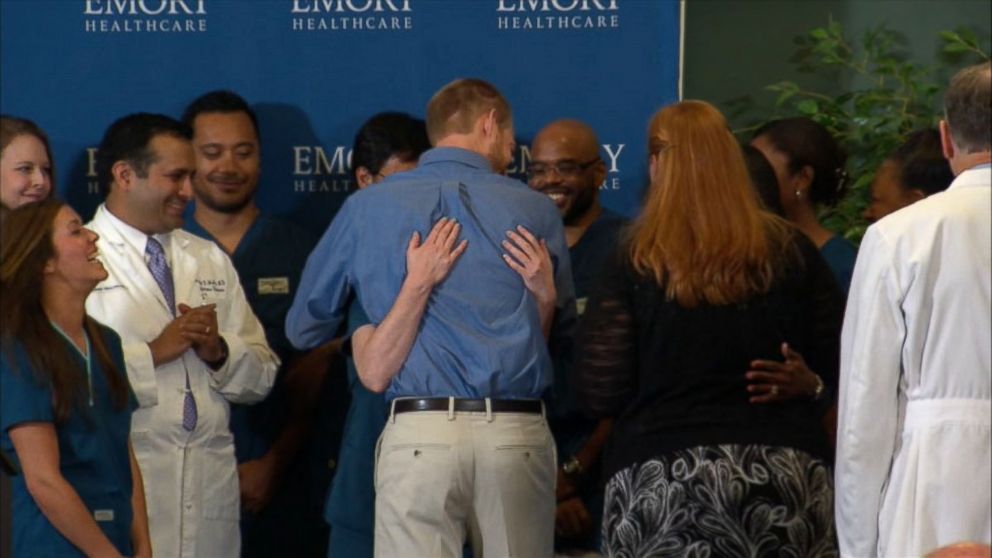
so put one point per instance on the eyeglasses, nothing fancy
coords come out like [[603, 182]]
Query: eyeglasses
[[565, 169]]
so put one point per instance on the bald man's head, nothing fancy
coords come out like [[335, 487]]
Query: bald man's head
[[565, 165]]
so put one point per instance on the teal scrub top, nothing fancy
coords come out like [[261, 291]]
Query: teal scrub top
[[93, 451], [351, 500], [840, 255]]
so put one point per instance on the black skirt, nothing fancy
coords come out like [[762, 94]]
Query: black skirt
[[725, 500]]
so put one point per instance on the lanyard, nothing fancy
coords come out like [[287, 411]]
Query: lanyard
[[86, 356]]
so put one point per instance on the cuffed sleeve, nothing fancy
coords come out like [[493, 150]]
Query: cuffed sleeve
[[249, 372]]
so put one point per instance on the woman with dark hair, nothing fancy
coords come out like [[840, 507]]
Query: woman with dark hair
[[26, 173], [764, 179], [66, 404], [915, 170], [706, 282], [387, 143], [810, 168]]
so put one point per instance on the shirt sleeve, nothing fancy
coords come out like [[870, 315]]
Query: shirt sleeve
[[320, 304], [605, 375], [22, 397], [870, 370], [249, 372]]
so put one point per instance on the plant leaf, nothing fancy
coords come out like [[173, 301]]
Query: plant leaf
[[807, 106], [956, 47]]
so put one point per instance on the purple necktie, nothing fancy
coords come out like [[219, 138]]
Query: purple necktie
[[159, 269]]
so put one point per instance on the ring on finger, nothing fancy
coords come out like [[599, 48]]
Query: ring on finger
[[207, 330], [774, 390]]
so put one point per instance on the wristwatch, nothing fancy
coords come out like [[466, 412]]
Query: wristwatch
[[215, 365], [819, 389], [572, 469]]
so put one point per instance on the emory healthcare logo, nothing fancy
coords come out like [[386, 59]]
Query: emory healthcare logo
[[351, 15], [145, 16], [549, 15], [317, 170]]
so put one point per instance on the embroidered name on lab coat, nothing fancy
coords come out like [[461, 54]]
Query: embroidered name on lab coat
[[212, 286], [273, 285]]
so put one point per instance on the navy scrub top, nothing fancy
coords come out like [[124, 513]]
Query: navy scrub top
[[269, 260], [93, 451]]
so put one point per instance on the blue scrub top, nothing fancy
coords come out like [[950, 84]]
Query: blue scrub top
[[269, 260], [351, 500], [93, 451], [840, 255]]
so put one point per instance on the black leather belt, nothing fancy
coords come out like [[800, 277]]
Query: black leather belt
[[468, 405]]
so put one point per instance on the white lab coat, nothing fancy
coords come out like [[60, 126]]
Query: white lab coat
[[913, 451], [190, 478]]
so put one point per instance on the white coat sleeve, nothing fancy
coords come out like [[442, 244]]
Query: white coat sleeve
[[250, 369], [871, 344], [140, 371]]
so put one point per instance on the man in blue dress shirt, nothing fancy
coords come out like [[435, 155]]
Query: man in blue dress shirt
[[466, 451]]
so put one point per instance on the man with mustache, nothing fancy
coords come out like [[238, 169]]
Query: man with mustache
[[191, 343], [283, 470], [566, 166]]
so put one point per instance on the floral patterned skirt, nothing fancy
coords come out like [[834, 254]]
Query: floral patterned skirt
[[726, 500]]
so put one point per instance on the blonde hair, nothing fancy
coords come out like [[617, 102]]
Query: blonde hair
[[703, 235], [12, 127], [456, 107]]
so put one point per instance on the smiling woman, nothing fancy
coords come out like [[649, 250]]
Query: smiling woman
[[66, 405], [26, 173]]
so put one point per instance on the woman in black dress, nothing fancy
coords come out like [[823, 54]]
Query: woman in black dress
[[706, 283]]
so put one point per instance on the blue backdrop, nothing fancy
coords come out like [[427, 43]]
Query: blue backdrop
[[316, 69]]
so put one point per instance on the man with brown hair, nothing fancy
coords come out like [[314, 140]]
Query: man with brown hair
[[914, 458], [466, 452]]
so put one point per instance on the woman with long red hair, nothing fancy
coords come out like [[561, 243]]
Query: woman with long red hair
[[707, 282]]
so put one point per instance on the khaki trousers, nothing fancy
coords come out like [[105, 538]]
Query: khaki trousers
[[446, 477]]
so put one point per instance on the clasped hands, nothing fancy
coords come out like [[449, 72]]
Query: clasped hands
[[194, 328]]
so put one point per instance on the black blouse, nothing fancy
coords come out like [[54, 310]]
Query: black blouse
[[674, 377]]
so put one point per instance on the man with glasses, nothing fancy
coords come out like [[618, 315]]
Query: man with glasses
[[566, 167]]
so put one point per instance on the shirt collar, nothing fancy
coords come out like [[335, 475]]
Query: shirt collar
[[456, 155], [135, 238]]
